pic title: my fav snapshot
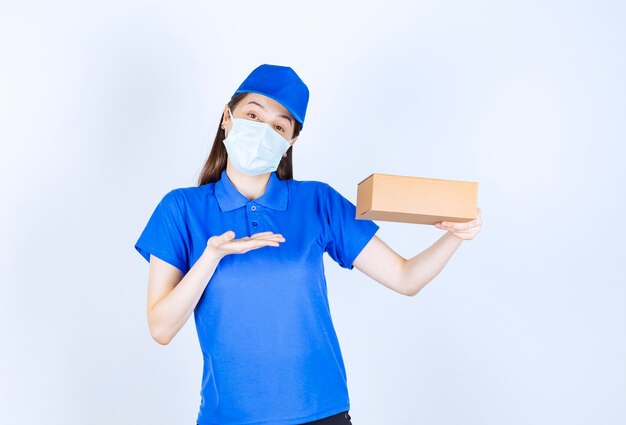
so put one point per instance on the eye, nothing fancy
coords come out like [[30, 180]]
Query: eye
[[252, 115], [279, 128]]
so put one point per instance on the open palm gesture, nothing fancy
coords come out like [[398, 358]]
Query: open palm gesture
[[225, 243]]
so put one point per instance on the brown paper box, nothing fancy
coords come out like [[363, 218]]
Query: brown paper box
[[420, 200]]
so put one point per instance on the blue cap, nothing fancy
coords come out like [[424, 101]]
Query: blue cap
[[280, 83]]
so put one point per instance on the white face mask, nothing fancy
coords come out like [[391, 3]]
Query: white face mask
[[254, 147]]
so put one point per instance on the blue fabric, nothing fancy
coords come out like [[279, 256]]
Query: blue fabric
[[271, 354], [280, 83]]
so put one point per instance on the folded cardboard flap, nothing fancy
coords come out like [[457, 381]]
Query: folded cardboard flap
[[420, 200]]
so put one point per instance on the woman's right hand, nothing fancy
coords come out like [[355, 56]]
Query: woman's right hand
[[224, 244]]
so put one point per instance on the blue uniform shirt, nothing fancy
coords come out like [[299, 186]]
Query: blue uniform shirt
[[271, 354]]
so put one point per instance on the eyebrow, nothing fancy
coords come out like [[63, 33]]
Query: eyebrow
[[263, 107]]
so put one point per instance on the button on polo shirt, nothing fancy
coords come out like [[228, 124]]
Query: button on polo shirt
[[271, 354]]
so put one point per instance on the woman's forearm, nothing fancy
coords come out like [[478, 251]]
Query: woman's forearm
[[170, 314], [422, 268]]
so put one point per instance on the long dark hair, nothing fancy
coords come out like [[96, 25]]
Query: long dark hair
[[216, 162]]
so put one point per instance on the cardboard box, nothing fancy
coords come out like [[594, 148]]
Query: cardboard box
[[420, 200]]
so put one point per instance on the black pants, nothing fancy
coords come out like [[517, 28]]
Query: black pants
[[342, 418]]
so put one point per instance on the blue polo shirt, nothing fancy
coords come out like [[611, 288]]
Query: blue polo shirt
[[271, 354]]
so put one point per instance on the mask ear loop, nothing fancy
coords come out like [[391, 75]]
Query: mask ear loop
[[290, 146], [231, 118]]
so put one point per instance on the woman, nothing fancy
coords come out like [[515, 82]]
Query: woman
[[271, 354]]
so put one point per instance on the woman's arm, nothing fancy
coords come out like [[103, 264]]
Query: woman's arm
[[172, 297], [408, 277]]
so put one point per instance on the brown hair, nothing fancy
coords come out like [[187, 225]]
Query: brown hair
[[216, 162]]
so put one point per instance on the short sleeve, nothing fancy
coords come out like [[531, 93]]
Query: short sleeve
[[165, 235], [344, 236]]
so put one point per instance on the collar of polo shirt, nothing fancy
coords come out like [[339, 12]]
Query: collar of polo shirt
[[229, 198]]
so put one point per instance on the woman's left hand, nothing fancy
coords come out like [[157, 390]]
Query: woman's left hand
[[464, 231]]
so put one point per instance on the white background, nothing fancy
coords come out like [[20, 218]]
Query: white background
[[106, 106]]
